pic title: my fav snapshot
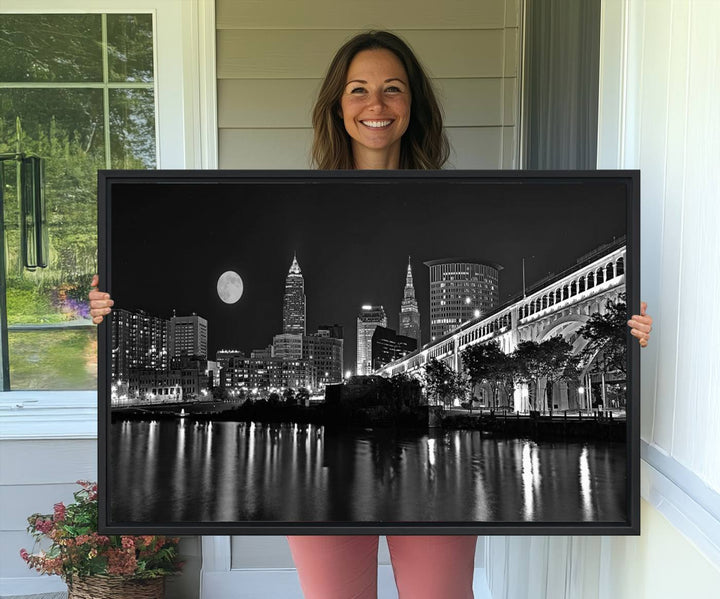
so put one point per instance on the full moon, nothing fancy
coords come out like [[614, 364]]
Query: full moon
[[230, 287]]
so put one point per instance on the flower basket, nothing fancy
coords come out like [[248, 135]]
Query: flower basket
[[97, 566], [116, 587]]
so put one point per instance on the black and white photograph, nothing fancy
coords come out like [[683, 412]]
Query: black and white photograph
[[376, 351]]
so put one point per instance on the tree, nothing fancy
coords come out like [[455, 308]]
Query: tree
[[302, 396], [552, 360], [607, 333], [485, 364], [529, 368], [559, 364], [289, 396], [443, 383]]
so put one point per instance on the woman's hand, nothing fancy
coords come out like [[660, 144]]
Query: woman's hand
[[641, 325], [100, 302]]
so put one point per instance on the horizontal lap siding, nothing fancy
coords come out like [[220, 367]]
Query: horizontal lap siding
[[271, 59]]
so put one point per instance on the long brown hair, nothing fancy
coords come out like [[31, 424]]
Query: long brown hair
[[424, 144]]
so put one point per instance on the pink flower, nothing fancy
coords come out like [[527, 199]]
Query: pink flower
[[128, 542], [24, 555], [43, 526], [59, 514]]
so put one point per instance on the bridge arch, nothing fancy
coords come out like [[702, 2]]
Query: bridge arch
[[565, 325]]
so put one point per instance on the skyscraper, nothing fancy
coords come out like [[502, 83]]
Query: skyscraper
[[294, 301], [460, 289], [188, 336], [409, 313], [369, 318]]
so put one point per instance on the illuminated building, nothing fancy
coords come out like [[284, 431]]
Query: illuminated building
[[188, 336], [369, 318], [409, 314], [294, 301], [287, 346], [460, 289], [324, 354], [139, 341]]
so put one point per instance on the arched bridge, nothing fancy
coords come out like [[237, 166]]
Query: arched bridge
[[560, 307]]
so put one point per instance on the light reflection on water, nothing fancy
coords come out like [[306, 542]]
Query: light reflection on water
[[233, 471]]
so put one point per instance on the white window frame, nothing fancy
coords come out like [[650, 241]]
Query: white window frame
[[186, 130]]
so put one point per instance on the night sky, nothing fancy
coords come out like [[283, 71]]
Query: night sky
[[171, 242]]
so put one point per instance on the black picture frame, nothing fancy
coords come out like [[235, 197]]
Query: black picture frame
[[129, 256]]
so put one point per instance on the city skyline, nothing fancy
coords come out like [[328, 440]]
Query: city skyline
[[348, 259]]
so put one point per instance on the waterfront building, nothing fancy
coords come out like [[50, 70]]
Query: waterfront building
[[139, 341], [294, 301], [369, 318], [387, 346], [188, 335], [324, 355], [263, 376], [460, 289], [409, 314]]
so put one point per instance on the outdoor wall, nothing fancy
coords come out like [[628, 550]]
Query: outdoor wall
[[271, 58], [659, 85]]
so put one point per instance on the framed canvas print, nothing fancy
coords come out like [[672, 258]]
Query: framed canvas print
[[413, 352]]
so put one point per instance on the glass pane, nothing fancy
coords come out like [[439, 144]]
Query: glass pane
[[50, 48], [130, 47], [53, 359], [65, 127], [132, 128]]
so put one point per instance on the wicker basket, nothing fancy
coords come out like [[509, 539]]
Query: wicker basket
[[116, 587]]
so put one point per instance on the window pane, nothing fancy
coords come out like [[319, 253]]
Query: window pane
[[130, 47], [132, 128], [50, 48], [53, 359]]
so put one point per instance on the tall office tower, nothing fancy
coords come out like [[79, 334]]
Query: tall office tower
[[139, 341], [294, 301], [409, 313], [460, 289], [369, 318], [188, 336]]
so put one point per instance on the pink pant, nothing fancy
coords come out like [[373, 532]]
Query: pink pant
[[433, 567]]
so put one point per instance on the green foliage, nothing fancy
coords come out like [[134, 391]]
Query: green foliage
[[54, 359]]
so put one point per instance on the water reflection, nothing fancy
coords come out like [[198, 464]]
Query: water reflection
[[227, 471]]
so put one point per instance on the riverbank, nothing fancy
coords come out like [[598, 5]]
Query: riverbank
[[563, 425]]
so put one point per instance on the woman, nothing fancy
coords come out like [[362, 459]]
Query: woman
[[377, 110]]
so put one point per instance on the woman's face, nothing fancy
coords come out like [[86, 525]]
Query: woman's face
[[375, 105]]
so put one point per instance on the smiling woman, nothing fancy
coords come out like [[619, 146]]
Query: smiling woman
[[375, 108], [375, 78]]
